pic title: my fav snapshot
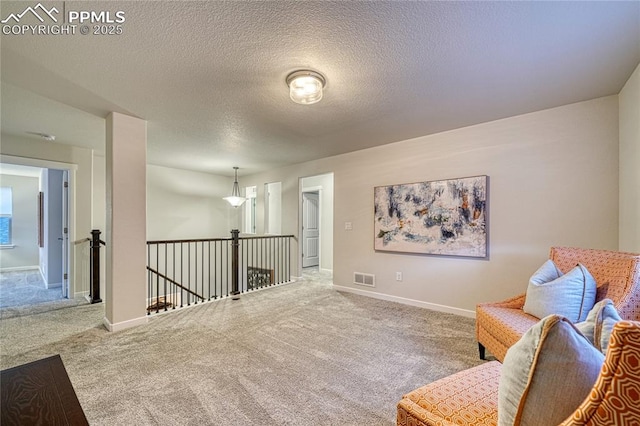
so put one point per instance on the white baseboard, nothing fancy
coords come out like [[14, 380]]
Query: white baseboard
[[124, 324], [329, 271], [54, 285], [411, 302], [19, 268]]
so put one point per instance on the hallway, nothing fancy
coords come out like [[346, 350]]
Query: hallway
[[18, 288], [24, 292]]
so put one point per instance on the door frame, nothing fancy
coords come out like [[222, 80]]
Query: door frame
[[327, 195], [65, 234], [71, 206]]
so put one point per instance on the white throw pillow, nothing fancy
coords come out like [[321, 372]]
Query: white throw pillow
[[571, 295], [599, 324], [547, 374]]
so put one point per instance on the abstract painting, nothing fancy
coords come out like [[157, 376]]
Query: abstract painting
[[443, 217]]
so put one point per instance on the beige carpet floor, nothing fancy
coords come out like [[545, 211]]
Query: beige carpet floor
[[297, 354], [20, 288]]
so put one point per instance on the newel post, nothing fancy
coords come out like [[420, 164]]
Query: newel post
[[235, 243], [94, 266]]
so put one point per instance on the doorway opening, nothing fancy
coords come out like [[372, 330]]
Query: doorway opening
[[316, 224], [35, 264]]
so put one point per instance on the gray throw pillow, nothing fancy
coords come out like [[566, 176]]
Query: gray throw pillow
[[547, 374], [571, 295], [599, 324]]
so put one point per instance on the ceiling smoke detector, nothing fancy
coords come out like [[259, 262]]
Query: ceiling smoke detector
[[44, 136]]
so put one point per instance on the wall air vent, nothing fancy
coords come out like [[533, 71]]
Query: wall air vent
[[361, 278]]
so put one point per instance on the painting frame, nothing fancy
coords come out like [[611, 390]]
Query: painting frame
[[448, 217]]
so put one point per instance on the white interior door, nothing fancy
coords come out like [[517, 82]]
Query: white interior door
[[310, 229]]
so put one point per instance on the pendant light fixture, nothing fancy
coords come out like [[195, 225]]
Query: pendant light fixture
[[305, 86], [235, 199]]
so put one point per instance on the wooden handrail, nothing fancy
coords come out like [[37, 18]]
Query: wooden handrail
[[200, 240], [255, 237], [174, 282], [204, 240]]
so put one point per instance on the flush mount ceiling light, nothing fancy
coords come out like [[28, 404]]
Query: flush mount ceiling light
[[305, 86], [235, 199]]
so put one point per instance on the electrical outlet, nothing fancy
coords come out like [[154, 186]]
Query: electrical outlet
[[348, 226], [398, 276]]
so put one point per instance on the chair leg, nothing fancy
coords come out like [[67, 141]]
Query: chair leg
[[481, 350]]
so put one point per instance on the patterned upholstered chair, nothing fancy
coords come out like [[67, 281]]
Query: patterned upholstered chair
[[470, 397], [617, 274]]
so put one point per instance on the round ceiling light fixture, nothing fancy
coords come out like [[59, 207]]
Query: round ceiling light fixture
[[305, 86]]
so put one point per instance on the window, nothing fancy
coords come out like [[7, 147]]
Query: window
[[6, 211], [250, 209]]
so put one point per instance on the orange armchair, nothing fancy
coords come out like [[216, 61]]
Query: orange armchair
[[617, 274], [470, 397]]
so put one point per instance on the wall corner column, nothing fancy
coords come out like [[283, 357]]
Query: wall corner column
[[126, 163]]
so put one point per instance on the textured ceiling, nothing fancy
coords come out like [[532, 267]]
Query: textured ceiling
[[209, 77]]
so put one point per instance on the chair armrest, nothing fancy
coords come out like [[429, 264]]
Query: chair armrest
[[516, 302], [613, 398], [411, 414]]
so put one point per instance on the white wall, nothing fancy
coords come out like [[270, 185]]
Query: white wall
[[629, 106], [24, 224], [99, 218], [553, 181], [184, 204], [98, 195], [273, 208]]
